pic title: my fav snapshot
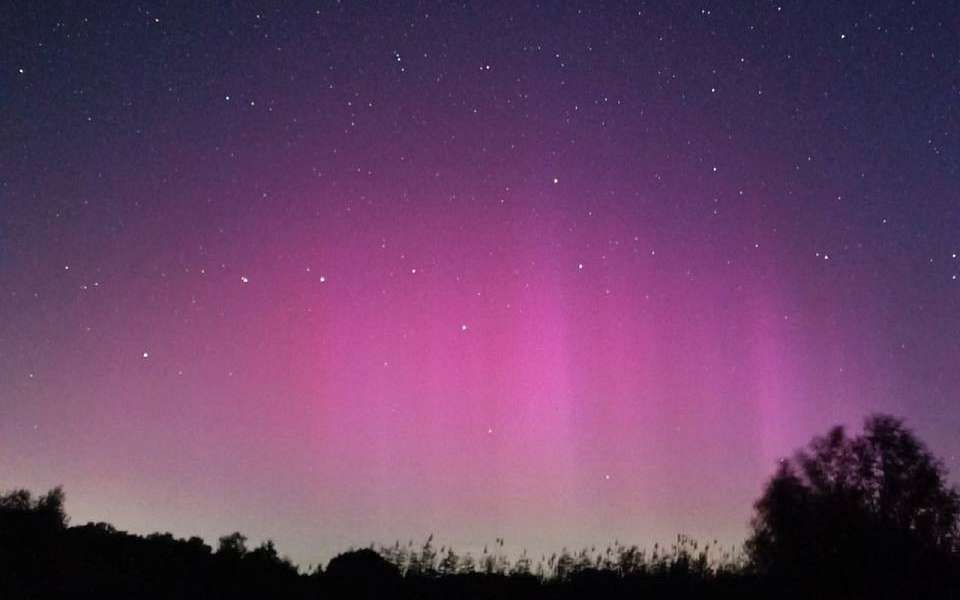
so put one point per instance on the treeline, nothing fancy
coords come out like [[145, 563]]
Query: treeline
[[870, 516], [43, 557]]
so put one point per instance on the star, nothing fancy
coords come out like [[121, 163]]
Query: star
[[463, 327], [146, 355]]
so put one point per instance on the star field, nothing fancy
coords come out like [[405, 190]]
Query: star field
[[560, 273]]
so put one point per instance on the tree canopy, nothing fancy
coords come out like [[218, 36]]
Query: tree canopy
[[857, 511]]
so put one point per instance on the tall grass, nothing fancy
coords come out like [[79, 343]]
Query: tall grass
[[684, 556]]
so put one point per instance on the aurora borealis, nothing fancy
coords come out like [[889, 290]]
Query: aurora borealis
[[335, 273]]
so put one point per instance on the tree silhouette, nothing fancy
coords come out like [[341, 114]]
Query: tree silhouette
[[233, 546], [29, 529], [872, 511]]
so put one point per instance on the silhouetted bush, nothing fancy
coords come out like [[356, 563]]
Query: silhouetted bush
[[362, 574]]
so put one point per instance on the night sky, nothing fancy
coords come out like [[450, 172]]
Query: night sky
[[560, 273]]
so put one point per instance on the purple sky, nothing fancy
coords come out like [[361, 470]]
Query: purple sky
[[335, 275]]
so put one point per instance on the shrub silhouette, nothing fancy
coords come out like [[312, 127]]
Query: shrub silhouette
[[868, 513], [361, 574]]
